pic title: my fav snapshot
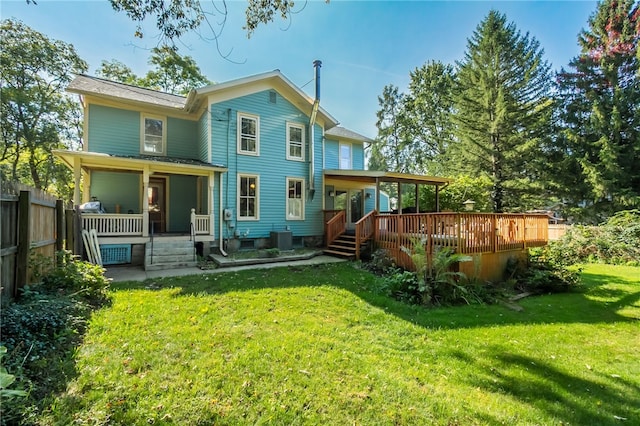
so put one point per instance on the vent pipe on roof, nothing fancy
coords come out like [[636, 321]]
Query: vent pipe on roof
[[312, 121]]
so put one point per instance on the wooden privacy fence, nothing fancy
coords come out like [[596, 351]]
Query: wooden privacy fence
[[468, 233], [32, 224]]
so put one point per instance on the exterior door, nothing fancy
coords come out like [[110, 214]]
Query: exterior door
[[157, 195], [352, 202]]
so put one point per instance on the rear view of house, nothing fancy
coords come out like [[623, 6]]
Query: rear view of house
[[243, 161]]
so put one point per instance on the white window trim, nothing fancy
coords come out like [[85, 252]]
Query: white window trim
[[257, 213], [304, 141], [143, 118], [240, 116], [340, 156], [302, 198]]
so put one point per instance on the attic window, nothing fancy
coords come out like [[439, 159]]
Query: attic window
[[272, 97], [153, 135]]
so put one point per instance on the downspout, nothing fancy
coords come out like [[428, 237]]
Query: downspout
[[221, 219], [312, 121]]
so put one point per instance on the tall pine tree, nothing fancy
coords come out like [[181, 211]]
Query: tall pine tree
[[600, 100], [502, 110]]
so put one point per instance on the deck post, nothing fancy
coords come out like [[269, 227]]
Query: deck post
[[437, 198]]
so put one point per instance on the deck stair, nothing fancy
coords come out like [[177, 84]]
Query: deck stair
[[169, 254], [344, 246]]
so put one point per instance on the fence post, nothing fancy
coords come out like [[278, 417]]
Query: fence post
[[77, 231], [68, 234], [59, 225], [24, 237]]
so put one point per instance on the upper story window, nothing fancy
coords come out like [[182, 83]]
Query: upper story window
[[248, 201], [295, 141], [295, 199], [248, 134], [345, 156], [154, 135]]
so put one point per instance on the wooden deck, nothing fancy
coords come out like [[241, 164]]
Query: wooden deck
[[493, 237]]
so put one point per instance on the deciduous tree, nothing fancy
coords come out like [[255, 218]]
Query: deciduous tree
[[36, 114], [599, 97]]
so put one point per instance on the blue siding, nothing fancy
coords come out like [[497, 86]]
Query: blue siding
[[113, 130], [203, 138], [331, 158], [271, 165], [182, 138], [182, 198], [357, 152], [128, 190]]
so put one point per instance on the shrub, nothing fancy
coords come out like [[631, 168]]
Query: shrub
[[616, 241], [40, 331], [77, 278], [542, 273]]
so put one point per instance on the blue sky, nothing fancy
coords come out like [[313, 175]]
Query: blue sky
[[364, 45]]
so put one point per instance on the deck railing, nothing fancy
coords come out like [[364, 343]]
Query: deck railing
[[109, 224], [364, 230], [468, 233], [335, 226]]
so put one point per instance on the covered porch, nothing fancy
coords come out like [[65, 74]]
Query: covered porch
[[143, 196]]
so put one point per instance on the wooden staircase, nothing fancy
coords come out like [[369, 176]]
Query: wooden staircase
[[343, 246]]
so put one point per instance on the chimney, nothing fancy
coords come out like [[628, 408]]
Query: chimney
[[317, 64]]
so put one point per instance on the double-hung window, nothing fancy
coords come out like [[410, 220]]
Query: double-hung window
[[345, 156], [295, 199], [154, 134], [248, 197], [248, 134], [295, 141]]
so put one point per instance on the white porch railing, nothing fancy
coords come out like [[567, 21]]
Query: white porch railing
[[113, 224], [201, 223]]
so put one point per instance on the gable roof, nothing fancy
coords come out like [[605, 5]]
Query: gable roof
[[88, 85], [85, 84], [343, 133]]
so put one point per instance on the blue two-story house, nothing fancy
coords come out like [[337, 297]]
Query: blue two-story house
[[251, 162]]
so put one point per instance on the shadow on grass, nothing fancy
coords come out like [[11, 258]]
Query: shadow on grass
[[567, 398], [573, 307]]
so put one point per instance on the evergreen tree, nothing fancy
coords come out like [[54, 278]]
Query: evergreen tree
[[600, 101], [502, 109]]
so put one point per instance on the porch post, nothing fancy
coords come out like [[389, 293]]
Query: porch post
[[377, 195], [417, 198], [210, 200], [77, 173], [145, 201], [437, 198], [399, 198]]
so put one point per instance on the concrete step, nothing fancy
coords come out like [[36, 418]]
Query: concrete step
[[178, 251], [163, 266]]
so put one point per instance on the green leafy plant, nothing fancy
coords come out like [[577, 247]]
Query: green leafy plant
[[273, 252], [7, 380], [78, 278]]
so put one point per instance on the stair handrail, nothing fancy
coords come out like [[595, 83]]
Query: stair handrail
[[192, 232], [364, 229], [335, 227], [151, 233]]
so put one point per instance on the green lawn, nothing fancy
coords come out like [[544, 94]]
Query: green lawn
[[315, 345]]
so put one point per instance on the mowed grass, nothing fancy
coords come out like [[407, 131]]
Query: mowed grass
[[317, 345]]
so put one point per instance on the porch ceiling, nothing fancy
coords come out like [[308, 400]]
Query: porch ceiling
[[373, 176], [98, 161]]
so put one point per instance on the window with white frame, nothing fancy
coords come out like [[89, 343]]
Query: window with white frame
[[248, 200], [295, 199], [248, 134], [345, 156], [295, 141], [153, 135]]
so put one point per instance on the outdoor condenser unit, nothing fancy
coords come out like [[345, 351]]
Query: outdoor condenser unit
[[281, 240]]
